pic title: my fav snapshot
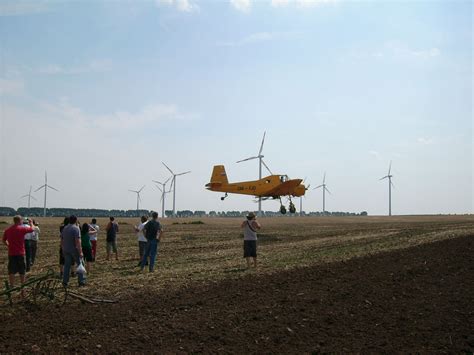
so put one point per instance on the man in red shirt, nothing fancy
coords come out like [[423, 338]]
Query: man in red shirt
[[14, 239]]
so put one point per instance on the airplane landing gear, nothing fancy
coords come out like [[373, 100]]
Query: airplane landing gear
[[282, 208], [223, 197], [292, 207]]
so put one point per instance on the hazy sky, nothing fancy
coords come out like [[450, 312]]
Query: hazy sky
[[100, 93]]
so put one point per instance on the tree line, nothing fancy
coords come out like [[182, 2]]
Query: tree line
[[92, 212]]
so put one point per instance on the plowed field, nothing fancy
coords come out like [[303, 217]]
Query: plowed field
[[402, 284]]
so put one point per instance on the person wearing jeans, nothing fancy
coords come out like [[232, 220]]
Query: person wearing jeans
[[72, 249], [69, 260], [153, 233]]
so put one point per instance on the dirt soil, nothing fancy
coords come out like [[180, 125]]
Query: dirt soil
[[419, 299]]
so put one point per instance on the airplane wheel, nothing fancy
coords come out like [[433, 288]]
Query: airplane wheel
[[292, 209], [282, 210], [222, 198]]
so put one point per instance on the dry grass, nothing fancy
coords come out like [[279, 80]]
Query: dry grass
[[192, 252]]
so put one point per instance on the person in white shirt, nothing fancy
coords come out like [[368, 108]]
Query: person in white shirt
[[93, 237], [28, 238], [34, 242], [141, 238]]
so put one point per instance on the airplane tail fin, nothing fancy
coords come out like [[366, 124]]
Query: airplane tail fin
[[218, 177]]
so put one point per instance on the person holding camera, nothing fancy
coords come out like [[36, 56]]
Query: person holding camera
[[250, 227]]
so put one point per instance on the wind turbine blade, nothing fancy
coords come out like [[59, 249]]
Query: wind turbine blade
[[24, 196], [186, 172], [384, 177], [167, 180], [139, 198], [391, 183], [327, 190], [389, 167], [265, 165], [133, 191], [172, 183], [157, 182], [166, 166], [39, 188], [317, 187], [261, 146], [246, 159], [324, 178], [159, 188], [52, 188], [33, 198], [141, 189]]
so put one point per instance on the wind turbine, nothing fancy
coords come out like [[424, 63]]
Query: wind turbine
[[323, 185], [173, 183], [45, 186], [390, 184], [29, 197], [163, 193], [261, 162], [138, 196]]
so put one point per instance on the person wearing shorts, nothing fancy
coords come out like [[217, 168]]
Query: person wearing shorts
[[14, 239], [250, 227], [86, 244]]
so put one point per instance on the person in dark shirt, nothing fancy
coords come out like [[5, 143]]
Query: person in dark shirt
[[112, 230], [153, 233]]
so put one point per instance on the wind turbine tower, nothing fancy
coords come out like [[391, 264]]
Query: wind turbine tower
[[173, 183], [29, 197], [163, 193], [323, 185], [261, 162], [138, 196], [390, 184], [45, 186]]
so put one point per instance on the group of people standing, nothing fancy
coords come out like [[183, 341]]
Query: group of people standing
[[21, 240], [79, 244]]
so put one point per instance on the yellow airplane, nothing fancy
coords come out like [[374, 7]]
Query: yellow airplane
[[272, 186]]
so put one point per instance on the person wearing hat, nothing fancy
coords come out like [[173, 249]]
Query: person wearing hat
[[250, 227]]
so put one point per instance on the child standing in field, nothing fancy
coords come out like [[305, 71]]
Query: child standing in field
[[86, 232], [250, 227], [94, 236]]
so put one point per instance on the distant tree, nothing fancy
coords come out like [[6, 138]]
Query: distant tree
[[364, 213], [7, 211], [199, 213]]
